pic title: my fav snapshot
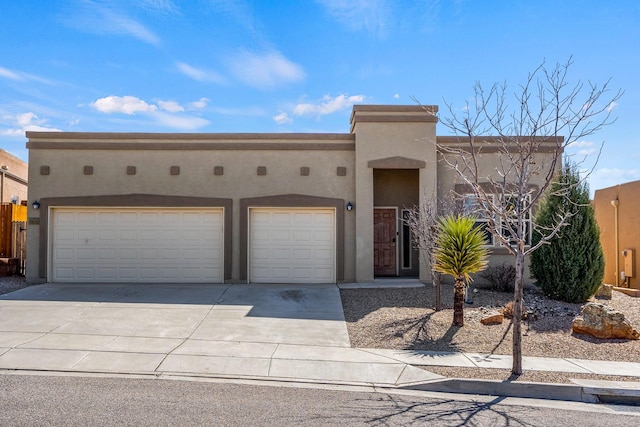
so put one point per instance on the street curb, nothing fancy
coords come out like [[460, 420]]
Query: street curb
[[534, 390]]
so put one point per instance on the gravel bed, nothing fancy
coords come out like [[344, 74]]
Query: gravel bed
[[404, 319], [12, 283]]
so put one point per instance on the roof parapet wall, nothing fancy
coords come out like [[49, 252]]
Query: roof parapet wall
[[393, 113]]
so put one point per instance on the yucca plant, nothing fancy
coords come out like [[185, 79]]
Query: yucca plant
[[460, 251]]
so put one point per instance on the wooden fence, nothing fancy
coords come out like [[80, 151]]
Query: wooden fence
[[13, 235]]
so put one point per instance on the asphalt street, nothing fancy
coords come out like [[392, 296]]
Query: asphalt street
[[39, 400]]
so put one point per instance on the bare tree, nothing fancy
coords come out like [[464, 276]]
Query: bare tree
[[525, 152], [423, 222]]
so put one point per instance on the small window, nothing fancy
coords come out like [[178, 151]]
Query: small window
[[472, 206]]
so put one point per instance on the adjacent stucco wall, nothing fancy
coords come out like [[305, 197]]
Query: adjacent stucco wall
[[628, 229], [15, 177], [59, 164]]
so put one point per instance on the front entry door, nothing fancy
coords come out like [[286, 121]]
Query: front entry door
[[384, 241]]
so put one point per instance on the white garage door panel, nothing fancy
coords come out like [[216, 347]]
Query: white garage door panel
[[137, 245], [289, 245]]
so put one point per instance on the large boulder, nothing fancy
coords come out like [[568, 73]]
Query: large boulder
[[604, 291], [492, 318], [602, 321]]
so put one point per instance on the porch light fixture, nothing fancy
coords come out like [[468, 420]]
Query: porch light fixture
[[349, 206], [36, 205]]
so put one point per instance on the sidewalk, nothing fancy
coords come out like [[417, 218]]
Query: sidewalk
[[271, 333]]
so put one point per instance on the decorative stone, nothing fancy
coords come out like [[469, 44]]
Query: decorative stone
[[602, 321], [604, 291], [492, 318]]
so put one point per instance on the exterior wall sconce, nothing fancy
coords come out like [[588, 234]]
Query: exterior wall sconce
[[36, 205], [349, 206]]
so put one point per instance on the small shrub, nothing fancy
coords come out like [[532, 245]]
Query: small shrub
[[500, 277]]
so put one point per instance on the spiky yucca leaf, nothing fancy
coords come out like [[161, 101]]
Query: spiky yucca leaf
[[460, 247]]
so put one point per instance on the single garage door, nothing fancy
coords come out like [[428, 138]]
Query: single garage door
[[292, 245], [136, 245]]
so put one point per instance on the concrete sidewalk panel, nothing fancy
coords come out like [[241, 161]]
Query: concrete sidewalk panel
[[30, 318], [425, 358], [98, 361], [341, 372], [336, 354], [41, 359], [69, 342], [196, 347], [551, 365], [15, 339], [137, 321], [274, 330], [490, 360], [413, 375], [603, 367], [212, 365], [141, 344]]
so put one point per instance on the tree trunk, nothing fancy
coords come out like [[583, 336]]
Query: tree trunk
[[518, 291], [458, 302]]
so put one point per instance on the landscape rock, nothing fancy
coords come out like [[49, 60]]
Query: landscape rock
[[492, 318], [604, 291], [602, 321]]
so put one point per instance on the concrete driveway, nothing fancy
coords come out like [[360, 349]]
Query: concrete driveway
[[240, 331]]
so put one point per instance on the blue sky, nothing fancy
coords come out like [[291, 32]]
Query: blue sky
[[299, 66]]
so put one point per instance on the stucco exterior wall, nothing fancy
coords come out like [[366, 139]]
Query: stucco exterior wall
[[62, 172], [237, 171], [14, 181], [389, 137], [621, 221]]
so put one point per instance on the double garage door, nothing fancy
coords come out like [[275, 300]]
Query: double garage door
[[138, 245]]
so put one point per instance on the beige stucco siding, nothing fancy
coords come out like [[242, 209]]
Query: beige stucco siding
[[239, 179]]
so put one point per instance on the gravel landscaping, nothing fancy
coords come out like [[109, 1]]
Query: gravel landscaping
[[404, 318], [11, 283]]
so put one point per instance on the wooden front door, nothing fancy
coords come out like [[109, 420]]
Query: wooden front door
[[384, 242]]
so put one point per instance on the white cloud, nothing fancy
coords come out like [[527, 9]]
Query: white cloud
[[199, 104], [170, 106], [265, 71], [582, 148], [25, 122], [166, 113], [396, 96], [611, 106], [21, 76], [181, 122], [200, 75], [282, 118], [608, 177], [122, 104], [104, 18], [327, 105], [356, 15], [8, 74]]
